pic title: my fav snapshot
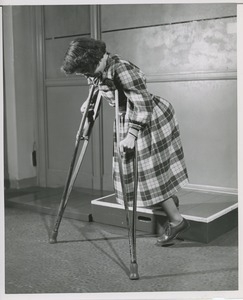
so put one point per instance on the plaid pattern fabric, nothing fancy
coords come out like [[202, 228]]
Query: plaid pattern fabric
[[161, 166]]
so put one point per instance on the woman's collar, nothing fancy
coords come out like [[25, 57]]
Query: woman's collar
[[108, 61]]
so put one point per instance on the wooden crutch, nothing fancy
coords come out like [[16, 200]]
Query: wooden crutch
[[131, 227], [88, 118]]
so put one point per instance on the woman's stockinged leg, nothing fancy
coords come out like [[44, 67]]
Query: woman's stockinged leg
[[172, 211]]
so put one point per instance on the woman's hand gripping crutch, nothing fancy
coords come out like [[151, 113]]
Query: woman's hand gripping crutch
[[131, 227], [88, 118]]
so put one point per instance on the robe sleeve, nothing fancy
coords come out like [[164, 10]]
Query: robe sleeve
[[140, 105]]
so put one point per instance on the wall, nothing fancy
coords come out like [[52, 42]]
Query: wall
[[188, 53], [20, 94]]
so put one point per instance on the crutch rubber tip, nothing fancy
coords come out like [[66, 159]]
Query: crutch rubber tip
[[53, 237], [134, 271]]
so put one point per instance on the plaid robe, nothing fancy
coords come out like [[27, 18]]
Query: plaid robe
[[161, 166]]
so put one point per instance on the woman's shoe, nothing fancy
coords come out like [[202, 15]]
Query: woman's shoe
[[171, 232]]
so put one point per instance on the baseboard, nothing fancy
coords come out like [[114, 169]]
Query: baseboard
[[22, 183]]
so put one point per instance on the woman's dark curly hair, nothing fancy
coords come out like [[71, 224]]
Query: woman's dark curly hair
[[83, 56]]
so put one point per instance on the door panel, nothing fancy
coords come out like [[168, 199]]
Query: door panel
[[66, 20], [63, 119]]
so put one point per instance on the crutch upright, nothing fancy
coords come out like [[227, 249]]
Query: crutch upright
[[131, 226], [83, 134]]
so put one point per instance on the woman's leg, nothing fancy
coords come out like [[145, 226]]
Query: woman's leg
[[171, 211], [175, 224]]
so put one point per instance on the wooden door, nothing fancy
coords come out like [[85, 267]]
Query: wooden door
[[60, 104]]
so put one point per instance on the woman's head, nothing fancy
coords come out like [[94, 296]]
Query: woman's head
[[83, 56]]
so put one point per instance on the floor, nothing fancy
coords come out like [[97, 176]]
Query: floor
[[93, 258]]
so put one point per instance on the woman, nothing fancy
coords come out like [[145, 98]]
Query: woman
[[144, 117]]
